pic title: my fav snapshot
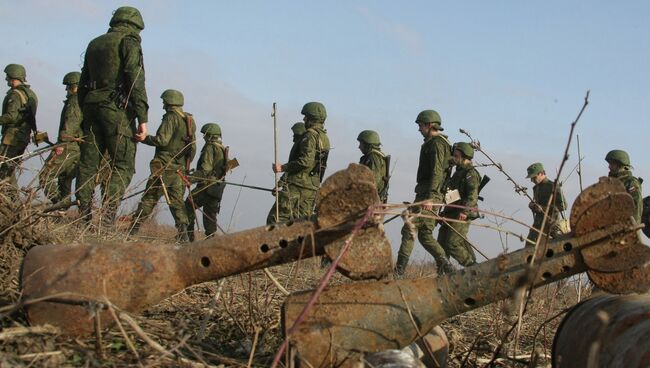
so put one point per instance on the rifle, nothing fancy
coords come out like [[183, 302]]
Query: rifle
[[34, 153], [220, 181], [484, 181], [383, 195]]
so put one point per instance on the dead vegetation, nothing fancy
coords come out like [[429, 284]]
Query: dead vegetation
[[235, 321]]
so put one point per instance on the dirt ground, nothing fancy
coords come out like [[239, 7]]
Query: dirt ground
[[234, 321]]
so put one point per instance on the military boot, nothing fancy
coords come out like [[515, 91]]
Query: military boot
[[190, 232], [85, 214], [108, 214], [400, 265], [444, 267], [181, 234]]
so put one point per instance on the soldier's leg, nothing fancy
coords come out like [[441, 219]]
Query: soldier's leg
[[176, 192], [285, 209], [47, 178], [430, 244], [193, 201], [8, 169], [406, 246], [153, 192], [210, 211], [533, 233], [91, 149], [305, 203], [456, 244], [67, 173]]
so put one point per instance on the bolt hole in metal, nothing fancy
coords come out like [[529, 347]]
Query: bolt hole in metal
[[549, 253], [470, 302], [546, 275], [270, 227], [566, 268], [205, 261], [568, 246], [265, 248], [529, 258], [283, 243]]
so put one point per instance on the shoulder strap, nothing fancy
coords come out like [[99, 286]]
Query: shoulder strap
[[22, 95]]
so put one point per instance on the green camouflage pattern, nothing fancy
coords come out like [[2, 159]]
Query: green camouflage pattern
[[315, 111], [428, 116], [18, 110], [71, 78], [207, 194], [59, 171], [542, 193], [633, 187], [424, 227], [16, 71], [452, 235], [619, 156], [173, 97], [127, 14], [375, 160], [465, 148], [369, 137]]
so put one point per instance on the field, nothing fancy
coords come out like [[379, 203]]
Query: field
[[236, 321]]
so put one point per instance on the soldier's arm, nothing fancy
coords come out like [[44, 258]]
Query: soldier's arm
[[163, 135], [206, 162], [306, 155], [134, 78], [12, 111], [469, 197], [83, 83], [634, 189], [440, 165], [71, 123], [377, 166]]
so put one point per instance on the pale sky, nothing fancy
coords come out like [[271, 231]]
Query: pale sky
[[512, 73]]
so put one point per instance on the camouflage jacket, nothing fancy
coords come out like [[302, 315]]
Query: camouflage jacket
[[70, 123], [433, 169], [113, 71], [633, 187], [306, 169], [375, 160], [293, 154], [467, 180], [18, 111], [173, 143], [542, 193], [211, 166]]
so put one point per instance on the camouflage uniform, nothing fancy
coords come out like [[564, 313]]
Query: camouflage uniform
[[305, 172], [376, 161], [542, 193], [18, 115], [467, 180], [207, 194], [112, 95], [175, 145], [433, 171], [61, 169]]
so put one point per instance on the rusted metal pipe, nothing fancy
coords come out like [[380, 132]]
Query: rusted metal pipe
[[371, 317], [606, 331], [133, 276]]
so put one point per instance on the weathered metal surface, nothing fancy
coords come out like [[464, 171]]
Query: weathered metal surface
[[372, 317], [606, 331], [133, 276]]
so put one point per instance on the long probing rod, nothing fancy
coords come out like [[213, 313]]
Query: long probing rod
[[275, 160]]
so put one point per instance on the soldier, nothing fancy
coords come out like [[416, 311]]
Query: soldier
[[433, 171], [306, 170], [175, 148], [298, 129], [542, 192], [621, 169], [17, 120], [453, 235], [375, 160], [112, 95], [207, 194], [62, 166]]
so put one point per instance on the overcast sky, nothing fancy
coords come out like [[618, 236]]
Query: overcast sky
[[512, 73]]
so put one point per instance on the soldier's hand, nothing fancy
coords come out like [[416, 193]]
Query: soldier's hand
[[277, 168], [428, 206], [58, 151], [533, 206], [142, 132], [462, 217]]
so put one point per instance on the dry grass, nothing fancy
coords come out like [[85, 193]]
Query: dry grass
[[222, 322]]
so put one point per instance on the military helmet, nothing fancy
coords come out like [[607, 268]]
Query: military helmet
[[369, 137], [619, 156], [465, 148], [430, 116], [127, 14], [211, 129], [534, 169], [298, 128], [71, 78], [172, 97], [314, 110], [16, 71]]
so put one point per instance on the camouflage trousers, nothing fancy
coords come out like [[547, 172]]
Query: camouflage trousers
[[58, 173], [455, 244], [424, 227], [170, 182], [295, 203], [107, 129], [552, 228], [8, 169], [210, 205]]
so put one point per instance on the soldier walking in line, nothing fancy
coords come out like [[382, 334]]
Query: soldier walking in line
[[375, 160], [466, 180], [112, 96], [18, 119], [621, 169], [175, 146], [62, 166], [433, 171], [305, 172], [542, 192], [286, 212], [208, 193]]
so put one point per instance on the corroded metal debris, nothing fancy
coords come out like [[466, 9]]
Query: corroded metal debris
[[371, 317], [74, 281], [607, 331]]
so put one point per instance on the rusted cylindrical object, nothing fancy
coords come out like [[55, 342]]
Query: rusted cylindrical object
[[607, 331]]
